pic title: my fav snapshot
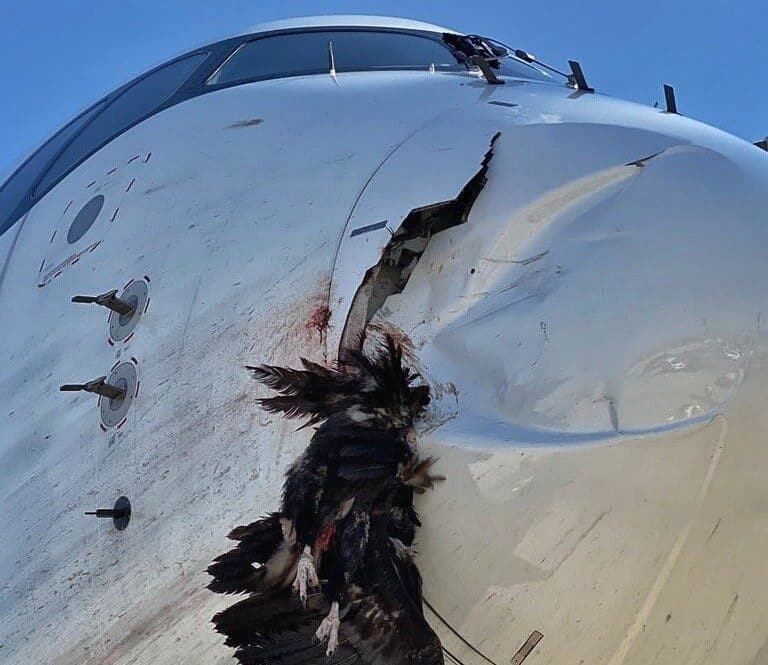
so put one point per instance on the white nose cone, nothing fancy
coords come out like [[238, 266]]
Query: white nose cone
[[594, 337], [584, 295], [608, 282]]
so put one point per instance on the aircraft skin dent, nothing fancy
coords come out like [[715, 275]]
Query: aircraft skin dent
[[578, 280]]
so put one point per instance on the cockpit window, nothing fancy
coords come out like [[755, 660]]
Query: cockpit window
[[498, 56], [129, 107], [308, 53], [245, 59], [511, 66], [15, 190]]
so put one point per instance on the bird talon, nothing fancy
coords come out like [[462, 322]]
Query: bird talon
[[329, 627], [306, 575]]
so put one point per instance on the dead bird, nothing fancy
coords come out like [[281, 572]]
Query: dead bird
[[347, 509]]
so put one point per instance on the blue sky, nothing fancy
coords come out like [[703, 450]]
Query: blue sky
[[61, 56]]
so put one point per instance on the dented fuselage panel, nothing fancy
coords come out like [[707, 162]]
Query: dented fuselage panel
[[580, 280]]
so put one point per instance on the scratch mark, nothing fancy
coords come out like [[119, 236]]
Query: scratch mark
[[714, 530], [723, 625], [761, 657], [189, 311], [562, 538], [525, 277], [543, 329], [666, 570], [613, 414], [252, 122], [582, 537], [729, 614], [521, 262]]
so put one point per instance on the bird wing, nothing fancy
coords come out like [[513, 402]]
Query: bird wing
[[280, 630], [314, 392], [262, 544], [382, 622], [385, 622], [366, 454]]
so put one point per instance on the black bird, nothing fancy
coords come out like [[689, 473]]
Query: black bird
[[347, 511]]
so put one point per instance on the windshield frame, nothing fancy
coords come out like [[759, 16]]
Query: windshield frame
[[197, 84], [461, 65]]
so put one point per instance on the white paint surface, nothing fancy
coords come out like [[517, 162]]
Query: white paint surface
[[593, 493]]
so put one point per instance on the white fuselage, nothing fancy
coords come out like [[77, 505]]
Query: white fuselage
[[593, 336]]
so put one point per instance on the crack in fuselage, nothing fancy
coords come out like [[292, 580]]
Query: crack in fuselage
[[403, 252]]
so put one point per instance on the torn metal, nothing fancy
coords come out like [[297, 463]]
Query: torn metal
[[402, 253]]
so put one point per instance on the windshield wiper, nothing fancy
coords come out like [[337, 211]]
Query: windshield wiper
[[576, 78], [332, 63], [485, 67], [479, 49]]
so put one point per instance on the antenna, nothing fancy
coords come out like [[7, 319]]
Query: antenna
[[669, 96], [577, 77]]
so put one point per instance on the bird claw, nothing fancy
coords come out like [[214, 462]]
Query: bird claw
[[329, 627], [306, 575]]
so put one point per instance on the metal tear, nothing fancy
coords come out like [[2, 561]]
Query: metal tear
[[403, 251]]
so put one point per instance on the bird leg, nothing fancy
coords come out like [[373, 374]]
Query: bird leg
[[289, 533], [305, 574], [329, 627], [402, 550]]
